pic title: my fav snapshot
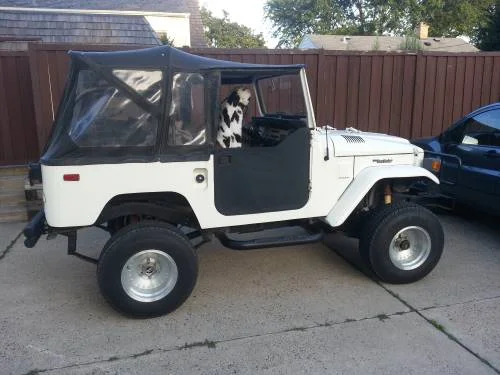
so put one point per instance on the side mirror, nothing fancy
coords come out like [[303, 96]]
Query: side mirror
[[448, 141], [453, 136], [449, 147]]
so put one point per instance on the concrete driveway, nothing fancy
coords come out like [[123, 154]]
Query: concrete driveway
[[298, 310]]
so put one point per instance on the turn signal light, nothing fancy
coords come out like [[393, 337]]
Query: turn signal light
[[436, 166], [71, 177]]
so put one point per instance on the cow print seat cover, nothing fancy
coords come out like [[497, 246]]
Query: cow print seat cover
[[231, 118]]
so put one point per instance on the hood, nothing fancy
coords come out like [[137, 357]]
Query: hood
[[357, 143]]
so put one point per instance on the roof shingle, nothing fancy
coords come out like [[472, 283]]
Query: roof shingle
[[382, 43], [169, 6], [78, 28]]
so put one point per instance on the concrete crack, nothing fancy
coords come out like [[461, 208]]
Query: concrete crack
[[440, 328], [433, 323], [10, 246], [208, 344], [459, 303], [213, 344]]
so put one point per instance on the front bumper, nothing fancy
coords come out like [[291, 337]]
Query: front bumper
[[35, 228]]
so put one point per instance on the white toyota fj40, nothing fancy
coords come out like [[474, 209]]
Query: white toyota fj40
[[145, 148]]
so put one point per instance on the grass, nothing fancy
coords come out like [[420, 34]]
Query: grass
[[411, 43], [437, 325]]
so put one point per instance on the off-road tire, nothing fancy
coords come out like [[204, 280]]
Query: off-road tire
[[132, 240], [382, 227]]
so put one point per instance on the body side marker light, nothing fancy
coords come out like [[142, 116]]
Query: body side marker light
[[72, 177]]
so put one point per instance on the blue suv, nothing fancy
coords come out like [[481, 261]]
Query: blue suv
[[466, 158]]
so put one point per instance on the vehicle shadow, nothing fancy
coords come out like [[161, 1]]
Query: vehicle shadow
[[348, 249], [475, 220], [463, 219]]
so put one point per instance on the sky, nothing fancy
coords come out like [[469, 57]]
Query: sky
[[249, 13]]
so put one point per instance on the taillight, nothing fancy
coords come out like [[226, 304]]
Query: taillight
[[71, 177]]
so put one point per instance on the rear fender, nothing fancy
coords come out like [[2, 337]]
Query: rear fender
[[362, 184], [147, 209], [169, 207]]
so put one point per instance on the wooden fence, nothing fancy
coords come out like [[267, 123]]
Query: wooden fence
[[18, 137], [411, 95]]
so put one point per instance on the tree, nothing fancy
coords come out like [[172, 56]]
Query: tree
[[166, 40], [452, 18], [293, 19], [488, 37], [222, 33]]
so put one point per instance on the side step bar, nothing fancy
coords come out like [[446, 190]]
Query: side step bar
[[276, 241]]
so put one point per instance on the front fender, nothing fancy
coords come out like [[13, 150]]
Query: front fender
[[362, 184]]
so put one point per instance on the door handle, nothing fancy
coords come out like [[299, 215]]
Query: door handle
[[492, 154]]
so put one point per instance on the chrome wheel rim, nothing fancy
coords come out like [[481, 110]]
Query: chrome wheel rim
[[149, 275], [410, 248]]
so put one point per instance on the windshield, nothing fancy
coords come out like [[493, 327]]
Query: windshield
[[282, 96]]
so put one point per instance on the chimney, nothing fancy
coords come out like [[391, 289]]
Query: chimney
[[422, 31]]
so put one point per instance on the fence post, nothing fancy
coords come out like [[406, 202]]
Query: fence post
[[418, 96], [35, 82], [320, 108]]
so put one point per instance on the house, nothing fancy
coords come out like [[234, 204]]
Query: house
[[387, 43], [136, 22]]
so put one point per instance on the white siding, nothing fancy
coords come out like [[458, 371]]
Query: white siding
[[176, 28]]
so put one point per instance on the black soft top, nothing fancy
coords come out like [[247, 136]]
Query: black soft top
[[160, 57], [135, 135]]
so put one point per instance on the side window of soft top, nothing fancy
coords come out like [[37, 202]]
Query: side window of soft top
[[104, 116], [187, 112]]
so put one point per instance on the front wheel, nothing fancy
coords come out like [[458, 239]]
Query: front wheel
[[147, 269], [402, 243]]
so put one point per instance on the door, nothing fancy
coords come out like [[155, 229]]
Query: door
[[479, 152], [253, 180]]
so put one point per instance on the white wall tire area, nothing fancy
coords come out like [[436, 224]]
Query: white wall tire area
[[147, 269], [402, 242]]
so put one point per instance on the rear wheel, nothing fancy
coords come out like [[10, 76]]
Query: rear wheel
[[147, 269], [402, 243]]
